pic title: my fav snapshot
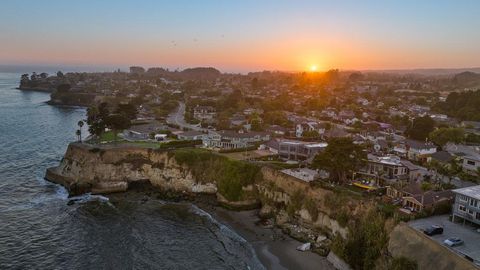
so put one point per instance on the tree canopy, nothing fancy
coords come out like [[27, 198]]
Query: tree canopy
[[340, 158], [464, 106], [420, 128], [442, 136]]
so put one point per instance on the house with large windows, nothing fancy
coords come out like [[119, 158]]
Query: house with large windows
[[467, 204]]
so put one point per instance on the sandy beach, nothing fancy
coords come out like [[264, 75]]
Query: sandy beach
[[275, 249]]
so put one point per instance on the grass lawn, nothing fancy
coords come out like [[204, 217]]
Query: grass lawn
[[108, 136]]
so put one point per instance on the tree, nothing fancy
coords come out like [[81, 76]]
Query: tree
[[60, 74], [117, 122], [420, 128], [79, 131], [25, 79], [128, 110], [276, 118], [442, 136], [96, 117], [340, 158], [257, 125]]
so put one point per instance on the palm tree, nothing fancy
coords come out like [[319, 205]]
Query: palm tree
[[79, 131], [79, 135]]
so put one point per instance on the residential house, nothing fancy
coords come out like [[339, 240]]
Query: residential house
[[277, 130], [416, 173], [273, 146], [299, 150], [387, 168], [142, 132], [428, 200], [467, 204], [191, 135], [415, 199], [414, 150], [237, 120], [442, 157], [469, 156], [309, 126], [228, 139], [471, 124], [204, 113]]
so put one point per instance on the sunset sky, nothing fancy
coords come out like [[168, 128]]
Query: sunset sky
[[242, 35]]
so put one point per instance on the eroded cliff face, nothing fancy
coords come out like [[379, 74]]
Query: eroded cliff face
[[280, 189], [109, 169], [104, 170]]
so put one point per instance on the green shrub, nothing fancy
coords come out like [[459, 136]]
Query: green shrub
[[367, 240], [229, 175], [342, 217]]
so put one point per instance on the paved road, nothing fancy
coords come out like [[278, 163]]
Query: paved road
[[471, 247], [178, 118]]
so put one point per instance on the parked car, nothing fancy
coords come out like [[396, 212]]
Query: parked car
[[453, 242], [433, 230]]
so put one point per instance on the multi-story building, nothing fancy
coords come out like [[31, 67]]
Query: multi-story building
[[469, 156], [467, 204], [415, 150], [387, 167], [227, 139], [298, 150]]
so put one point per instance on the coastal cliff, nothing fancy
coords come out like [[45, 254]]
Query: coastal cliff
[[236, 184], [104, 170], [330, 218]]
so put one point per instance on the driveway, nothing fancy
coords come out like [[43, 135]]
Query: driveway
[[467, 233], [178, 118]]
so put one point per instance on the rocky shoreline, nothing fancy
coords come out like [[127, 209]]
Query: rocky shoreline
[[88, 169], [274, 248]]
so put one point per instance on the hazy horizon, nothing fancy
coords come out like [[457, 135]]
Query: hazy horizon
[[242, 36]]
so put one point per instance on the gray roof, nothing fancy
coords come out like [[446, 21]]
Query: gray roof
[[191, 133], [472, 192], [442, 156], [419, 144]]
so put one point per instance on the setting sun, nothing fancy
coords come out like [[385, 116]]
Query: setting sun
[[313, 68]]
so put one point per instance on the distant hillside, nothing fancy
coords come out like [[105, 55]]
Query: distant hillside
[[466, 79], [429, 71], [201, 73]]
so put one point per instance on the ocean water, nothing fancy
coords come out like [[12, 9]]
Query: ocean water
[[38, 230]]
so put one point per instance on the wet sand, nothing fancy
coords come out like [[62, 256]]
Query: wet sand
[[274, 249]]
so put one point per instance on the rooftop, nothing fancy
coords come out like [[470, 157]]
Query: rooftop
[[472, 192]]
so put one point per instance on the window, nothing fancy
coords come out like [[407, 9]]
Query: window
[[470, 212], [473, 202], [477, 215], [462, 208], [470, 162], [463, 198]]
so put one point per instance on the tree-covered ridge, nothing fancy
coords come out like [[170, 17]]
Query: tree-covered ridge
[[464, 106]]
